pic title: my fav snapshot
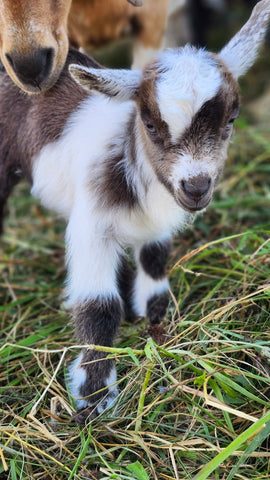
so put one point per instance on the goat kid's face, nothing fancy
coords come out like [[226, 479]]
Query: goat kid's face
[[187, 101]]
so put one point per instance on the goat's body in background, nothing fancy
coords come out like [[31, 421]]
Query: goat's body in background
[[95, 23], [128, 164]]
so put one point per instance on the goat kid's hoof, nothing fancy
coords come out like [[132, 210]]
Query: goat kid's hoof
[[157, 333], [83, 415]]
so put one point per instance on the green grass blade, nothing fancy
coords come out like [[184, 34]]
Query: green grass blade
[[234, 445]]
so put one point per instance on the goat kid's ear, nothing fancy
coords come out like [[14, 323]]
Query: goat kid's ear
[[122, 84], [240, 53]]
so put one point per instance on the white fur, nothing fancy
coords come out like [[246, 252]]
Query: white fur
[[146, 287], [187, 167], [62, 167], [191, 78], [77, 378], [175, 5], [160, 214], [119, 84], [109, 400], [240, 53], [92, 259]]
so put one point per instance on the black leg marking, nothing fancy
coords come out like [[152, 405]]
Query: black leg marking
[[98, 370], [125, 281], [153, 258], [96, 323], [156, 310], [157, 306]]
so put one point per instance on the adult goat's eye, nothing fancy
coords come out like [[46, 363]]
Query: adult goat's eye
[[150, 128]]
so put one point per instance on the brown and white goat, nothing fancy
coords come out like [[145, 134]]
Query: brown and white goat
[[34, 33], [128, 158]]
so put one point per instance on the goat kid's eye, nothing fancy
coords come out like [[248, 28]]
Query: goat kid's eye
[[228, 128], [150, 128], [231, 121], [233, 117]]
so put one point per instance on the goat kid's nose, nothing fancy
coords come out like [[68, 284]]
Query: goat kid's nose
[[32, 69], [196, 188]]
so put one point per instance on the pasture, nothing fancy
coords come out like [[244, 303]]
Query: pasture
[[195, 408]]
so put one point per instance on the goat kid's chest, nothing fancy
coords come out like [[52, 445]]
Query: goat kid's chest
[[157, 216]]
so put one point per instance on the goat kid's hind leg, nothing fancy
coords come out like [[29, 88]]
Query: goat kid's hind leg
[[125, 281], [151, 289]]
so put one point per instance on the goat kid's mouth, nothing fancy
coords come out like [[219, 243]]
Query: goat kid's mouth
[[192, 206]]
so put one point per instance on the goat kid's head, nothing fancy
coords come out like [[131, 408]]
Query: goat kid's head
[[187, 101]]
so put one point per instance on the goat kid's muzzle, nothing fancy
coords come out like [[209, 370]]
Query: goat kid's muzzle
[[195, 194]]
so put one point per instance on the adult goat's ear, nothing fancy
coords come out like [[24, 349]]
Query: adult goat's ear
[[122, 84], [240, 53], [136, 3]]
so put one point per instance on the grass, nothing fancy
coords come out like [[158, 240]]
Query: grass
[[197, 407]]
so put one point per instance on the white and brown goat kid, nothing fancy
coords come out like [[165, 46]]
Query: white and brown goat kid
[[128, 160]]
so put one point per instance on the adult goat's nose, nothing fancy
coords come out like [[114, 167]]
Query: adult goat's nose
[[32, 69], [196, 188]]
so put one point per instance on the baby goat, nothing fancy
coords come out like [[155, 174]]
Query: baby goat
[[128, 160]]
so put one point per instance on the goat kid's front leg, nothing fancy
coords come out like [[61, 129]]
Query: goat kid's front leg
[[151, 289], [92, 377], [97, 308]]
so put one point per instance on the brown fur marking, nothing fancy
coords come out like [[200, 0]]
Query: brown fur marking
[[112, 184], [38, 114], [209, 124]]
